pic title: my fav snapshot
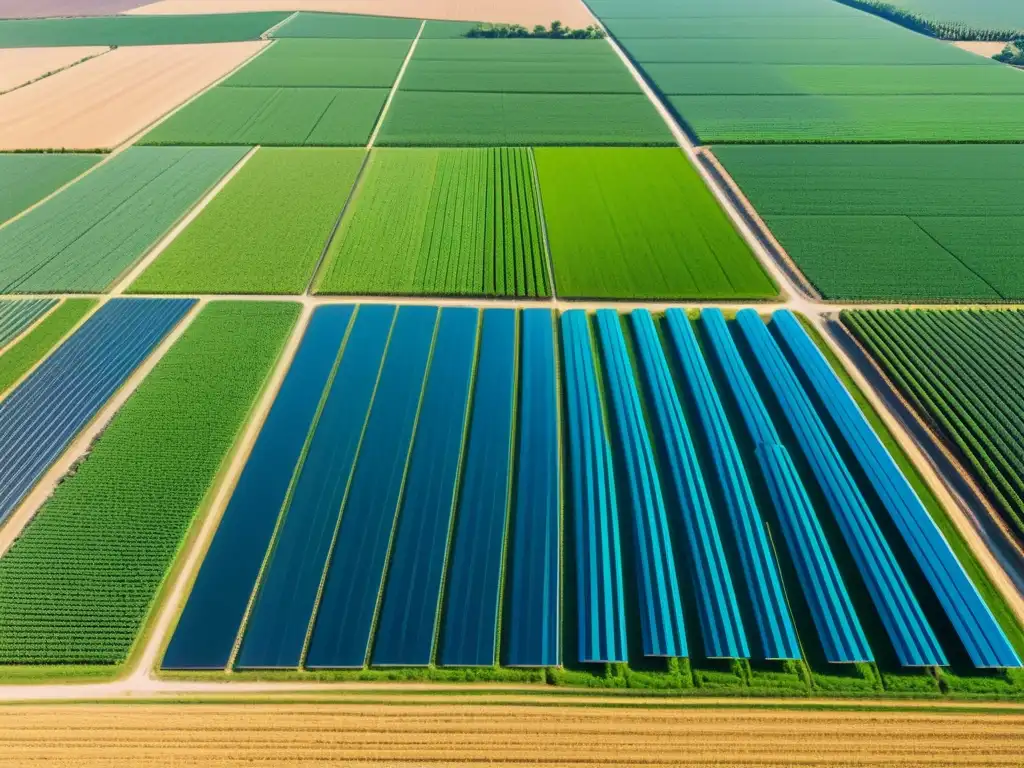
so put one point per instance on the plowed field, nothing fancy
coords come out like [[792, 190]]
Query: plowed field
[[498, 735]]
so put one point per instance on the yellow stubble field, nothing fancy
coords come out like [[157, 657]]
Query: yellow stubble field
[[19, 66], [496, 734]]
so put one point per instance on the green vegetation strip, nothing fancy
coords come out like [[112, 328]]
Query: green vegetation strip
[[16, 361], [639, 223], [265, 231], [288, 117], [328, 25], [79, 582], [325, 63], [136, 30], [429, 221], [26, 178], [892, 223]]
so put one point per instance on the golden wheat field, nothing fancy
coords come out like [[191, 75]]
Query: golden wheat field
[[154, 735]]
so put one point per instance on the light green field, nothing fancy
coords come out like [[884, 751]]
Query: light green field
[[16, 360], [436, 221], [265, 231], [26, 178], [324, 63], [640, 224]]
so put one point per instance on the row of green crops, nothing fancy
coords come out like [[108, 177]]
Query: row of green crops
[[83, 238], [336, 25], [907, 223], [27, 178], [962, 370], [79, 582], [627, 223], [795, 72], [429, 221], [325, 64], [265, 232], [16, 360], [290, 117]]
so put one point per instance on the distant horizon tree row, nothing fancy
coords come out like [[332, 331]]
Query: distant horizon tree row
[[557, 31], [944, 30]]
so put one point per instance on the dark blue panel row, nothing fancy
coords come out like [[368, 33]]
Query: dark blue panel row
[[44, 413]]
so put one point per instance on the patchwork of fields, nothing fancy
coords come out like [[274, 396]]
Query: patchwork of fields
[[445, 423]]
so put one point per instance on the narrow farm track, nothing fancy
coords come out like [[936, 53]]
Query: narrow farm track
[[169, 734]]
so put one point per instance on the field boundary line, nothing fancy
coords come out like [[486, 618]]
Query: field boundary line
[[394, 88], [173, 603], [140, 266], [46, 355], [266, 35], [790, 291], [545, 242], [31, 326], [57, 71], [958, 509], [79, 448]]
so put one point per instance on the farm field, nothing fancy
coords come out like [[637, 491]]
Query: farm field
[[325, 64], [959, 369], [105, 101], [449, 221], [80, 580], [375, 391], [892, 223], [331, 25], [414, 732], [18, 357], [25, 178], [819, 78], [613, 219], [288, 117], [984, 14], [265, 232], [129, 30], [19, 66], [85, 237]]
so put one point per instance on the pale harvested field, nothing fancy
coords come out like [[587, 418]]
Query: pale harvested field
[[33, 9], [570, 12], [988, 50], [23, 65], [104, 101], [158, 735]]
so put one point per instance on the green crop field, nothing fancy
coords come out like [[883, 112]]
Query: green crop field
[[80, 580], [514, 49], [290, 117], [425, 119], [639, 223], [906, 223], [265, 231], [16, 360], [26, 178], [306, 24], [835, 80], [324, 63], [136, 30], [985, 14], [430, 221], [586, 75], [446, 30], [18, 314], [961, 370], [82, 239]]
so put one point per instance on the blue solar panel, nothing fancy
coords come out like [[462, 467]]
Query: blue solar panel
[[977, 628], [206, 632], [908, 628], [601, 613], [661, 608], [41, 417], [472, 598], [532, 634], [839, 630], [406, 628], [277, 628], [761, 573]]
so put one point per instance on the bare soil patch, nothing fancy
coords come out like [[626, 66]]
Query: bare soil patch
[[23, 65], [35, 9], [988, 50], [104, 101], [528, 12], [497, 735]]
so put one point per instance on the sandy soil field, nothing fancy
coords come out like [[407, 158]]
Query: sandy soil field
[[570, 12], [988, 50], [155, 735], [32, 9], [106, 100], [23, 65]]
